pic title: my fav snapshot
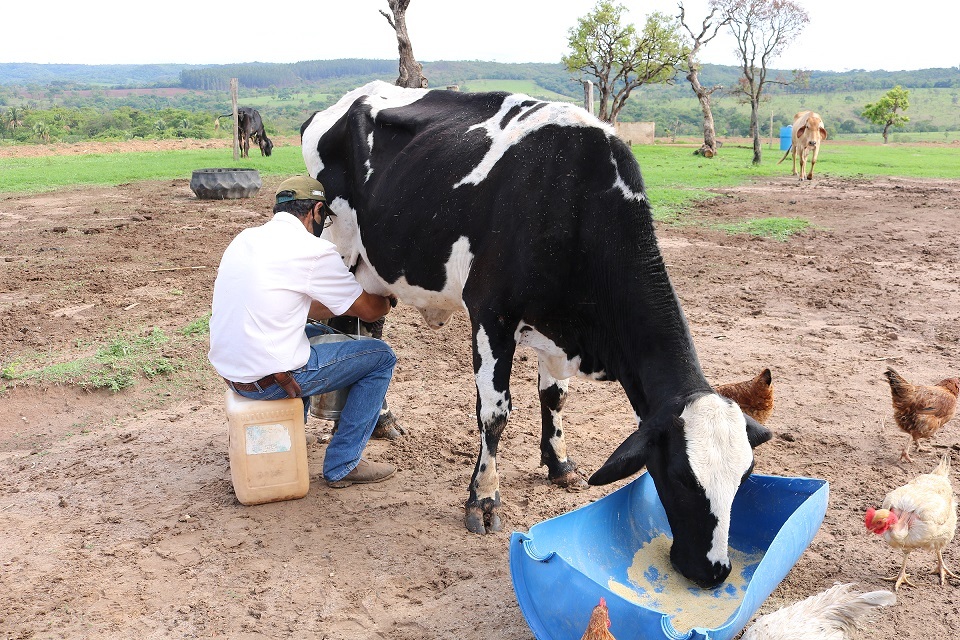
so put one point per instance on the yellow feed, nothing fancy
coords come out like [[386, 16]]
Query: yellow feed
[[656, 585]]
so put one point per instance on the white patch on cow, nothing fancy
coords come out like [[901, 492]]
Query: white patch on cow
[[554, 359], [378, 94], [719, 455], [367, 163], [488, 480], [557, 442], [555, 113], [436, 307], [628, 193], [492, 402]]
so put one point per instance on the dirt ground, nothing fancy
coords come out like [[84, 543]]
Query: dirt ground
[[117, 513]]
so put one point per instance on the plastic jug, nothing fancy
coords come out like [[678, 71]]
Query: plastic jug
[[268, 449]]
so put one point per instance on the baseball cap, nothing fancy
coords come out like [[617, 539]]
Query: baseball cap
[[301, 188]]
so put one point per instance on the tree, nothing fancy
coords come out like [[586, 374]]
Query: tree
[[619, 58], [885, 110], [708, 32], [763, 29], [411, 71]]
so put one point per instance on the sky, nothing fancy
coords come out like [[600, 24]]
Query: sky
[[842, 34]]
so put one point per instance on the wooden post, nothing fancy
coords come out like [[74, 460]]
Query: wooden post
[[588, 95], [234, 85], [771, 130]]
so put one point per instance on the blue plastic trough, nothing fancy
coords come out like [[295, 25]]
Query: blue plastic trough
[[564, 565]]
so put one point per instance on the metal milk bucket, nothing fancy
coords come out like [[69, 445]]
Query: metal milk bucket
[[328, 406]]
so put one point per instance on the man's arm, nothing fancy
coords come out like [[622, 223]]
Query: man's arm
[[369, 307], [318, 311]]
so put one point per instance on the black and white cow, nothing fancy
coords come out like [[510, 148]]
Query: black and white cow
[[532, 217]]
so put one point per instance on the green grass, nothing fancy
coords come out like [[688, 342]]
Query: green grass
[[119, 362], [675, 178], [774, 227], [48, 173]]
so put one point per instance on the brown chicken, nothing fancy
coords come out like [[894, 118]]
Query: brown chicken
[[921, 514], [755, 396], [921, 410], [599, 626]]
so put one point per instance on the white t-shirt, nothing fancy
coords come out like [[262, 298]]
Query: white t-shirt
[[267, 278]]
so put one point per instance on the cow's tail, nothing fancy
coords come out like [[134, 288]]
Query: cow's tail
[[789, 149], [216, 121]]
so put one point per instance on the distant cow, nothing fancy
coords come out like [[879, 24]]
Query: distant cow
[[251, 128], [808, 132], [532, 217]]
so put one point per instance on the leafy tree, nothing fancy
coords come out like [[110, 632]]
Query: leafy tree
[[619, 58], [884, 111], [763, 29], [692, 66]]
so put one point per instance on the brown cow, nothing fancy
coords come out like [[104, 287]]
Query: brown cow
[[808, 132]]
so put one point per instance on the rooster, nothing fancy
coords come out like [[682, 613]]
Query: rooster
[[921, 514], [755, 396], [921, 410], [830, 615], [599, 626]]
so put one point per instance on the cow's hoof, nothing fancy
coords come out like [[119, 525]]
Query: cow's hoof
[[387, 428], [479, 522], [572, 480]]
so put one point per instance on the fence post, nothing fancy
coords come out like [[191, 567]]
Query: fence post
[[588, 95], [234, 85]]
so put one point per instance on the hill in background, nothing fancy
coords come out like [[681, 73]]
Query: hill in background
[[288, 93]]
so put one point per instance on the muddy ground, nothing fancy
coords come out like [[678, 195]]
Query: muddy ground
[[117, 516]]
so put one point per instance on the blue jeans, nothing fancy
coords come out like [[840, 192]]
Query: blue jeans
[[365, 366]]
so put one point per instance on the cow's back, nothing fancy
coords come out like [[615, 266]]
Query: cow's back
[[526, 185]]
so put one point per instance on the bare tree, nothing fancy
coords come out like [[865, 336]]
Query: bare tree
[[708, 32], [411, 71], [763, 29]]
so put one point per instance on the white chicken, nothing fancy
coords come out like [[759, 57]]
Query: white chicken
[[830, 615], [921, 514]]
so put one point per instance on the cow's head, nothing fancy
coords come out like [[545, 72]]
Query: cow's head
[[266, 145], [813, 131], [697, 461]]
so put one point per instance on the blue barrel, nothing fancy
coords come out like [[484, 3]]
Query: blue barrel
[[786, 136]]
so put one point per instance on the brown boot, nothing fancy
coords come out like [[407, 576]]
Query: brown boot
[[365, 472]]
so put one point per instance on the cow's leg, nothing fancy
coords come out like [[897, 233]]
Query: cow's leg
[[813, 161], [794, 157], [561, 470], [803, 163], [493, 349]]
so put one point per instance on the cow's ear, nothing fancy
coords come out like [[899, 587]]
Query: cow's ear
[[800, 131], [630, 457], [757, 434], [823, 133]]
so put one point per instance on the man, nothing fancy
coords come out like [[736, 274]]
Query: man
[[271, 279]]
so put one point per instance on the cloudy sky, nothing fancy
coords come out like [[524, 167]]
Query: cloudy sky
[[842, 34]]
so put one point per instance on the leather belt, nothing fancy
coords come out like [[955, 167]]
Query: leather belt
[[284, 379]]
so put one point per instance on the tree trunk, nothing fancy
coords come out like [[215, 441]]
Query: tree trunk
[[755, 129], [411, 71], [886, 131], [709, 148]]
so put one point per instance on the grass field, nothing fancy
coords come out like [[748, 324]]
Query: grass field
[[674, 176]]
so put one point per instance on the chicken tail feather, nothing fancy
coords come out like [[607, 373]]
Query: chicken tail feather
[[850, 607]]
